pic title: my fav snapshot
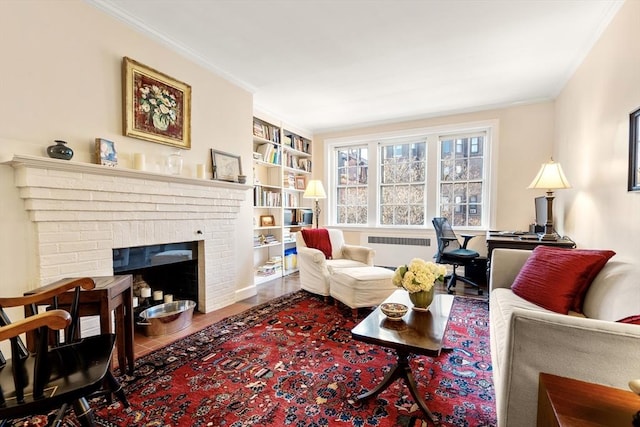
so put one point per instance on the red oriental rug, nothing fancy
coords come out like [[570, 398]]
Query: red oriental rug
[[292, 362]]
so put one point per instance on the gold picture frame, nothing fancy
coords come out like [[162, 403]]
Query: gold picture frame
[[267, 221], [156, 107]]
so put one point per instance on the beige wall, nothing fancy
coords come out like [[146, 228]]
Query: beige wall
[[523, 143], [61, 79], [592, 140]]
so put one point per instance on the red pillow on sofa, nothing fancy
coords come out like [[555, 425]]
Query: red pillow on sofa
[[318, 238], [557, 279], [633, 320]]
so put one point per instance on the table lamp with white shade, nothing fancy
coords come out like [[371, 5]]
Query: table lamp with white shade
[[315, 190], [550, 177]]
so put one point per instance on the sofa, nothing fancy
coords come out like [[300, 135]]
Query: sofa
[[526, 339], [316, 268]]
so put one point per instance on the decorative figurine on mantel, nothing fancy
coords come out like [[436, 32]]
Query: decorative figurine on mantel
[[60, 150]]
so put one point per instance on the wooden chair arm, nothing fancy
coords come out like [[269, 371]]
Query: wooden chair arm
[[53, 319], [47, 292]]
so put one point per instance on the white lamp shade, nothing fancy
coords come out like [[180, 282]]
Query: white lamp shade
[[550, 177], [314, 190]]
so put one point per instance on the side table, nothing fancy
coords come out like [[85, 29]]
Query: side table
[[112, 293], [566, 402]]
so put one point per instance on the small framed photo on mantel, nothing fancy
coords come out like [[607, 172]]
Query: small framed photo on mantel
[[226, 167], [106, 153]]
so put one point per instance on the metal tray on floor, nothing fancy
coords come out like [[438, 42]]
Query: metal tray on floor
[[167, 318]]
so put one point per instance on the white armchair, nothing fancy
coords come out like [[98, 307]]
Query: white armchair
[[315, 269]]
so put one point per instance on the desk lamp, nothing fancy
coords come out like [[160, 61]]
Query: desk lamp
[[550, 177], [315, 190]]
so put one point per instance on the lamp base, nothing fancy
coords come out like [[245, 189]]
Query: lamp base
[[548, 236]]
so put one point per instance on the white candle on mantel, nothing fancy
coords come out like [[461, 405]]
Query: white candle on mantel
[[145, 292], [200, 170], [168, 298], [139, 162], [157, 295]]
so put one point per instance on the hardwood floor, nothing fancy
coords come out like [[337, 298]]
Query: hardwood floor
[[265, 292]]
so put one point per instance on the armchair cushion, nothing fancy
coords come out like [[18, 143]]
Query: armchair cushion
[[318, 238], [557, 279]]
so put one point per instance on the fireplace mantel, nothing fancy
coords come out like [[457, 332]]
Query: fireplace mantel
[[20, 161], [80, 212]]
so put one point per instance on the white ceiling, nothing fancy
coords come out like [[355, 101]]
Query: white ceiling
[[332, 64]]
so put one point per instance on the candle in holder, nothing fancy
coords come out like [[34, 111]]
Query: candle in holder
[[135, 301], [145, 292], [168, 298], [157, 295]]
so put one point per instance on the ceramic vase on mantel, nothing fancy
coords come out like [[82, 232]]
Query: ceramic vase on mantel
[[422, 300], [60, 150]]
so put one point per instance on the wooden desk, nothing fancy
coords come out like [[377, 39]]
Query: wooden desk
[[112, 293], [496, 240], [565, 402]]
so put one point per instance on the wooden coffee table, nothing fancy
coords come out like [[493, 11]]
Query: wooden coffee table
[[419, 332]]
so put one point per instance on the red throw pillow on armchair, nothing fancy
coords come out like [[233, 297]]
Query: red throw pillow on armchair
[[557, 279], [318, 238]]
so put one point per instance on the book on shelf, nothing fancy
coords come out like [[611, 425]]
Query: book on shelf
[[297, 142], [304, 164], [266, 197], [266, 131], [270, 153], [289, 180]]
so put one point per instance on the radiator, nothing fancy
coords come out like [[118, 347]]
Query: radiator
[[392, 251], [403, 241]]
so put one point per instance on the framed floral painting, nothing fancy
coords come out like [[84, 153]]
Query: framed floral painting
[[156, 107]]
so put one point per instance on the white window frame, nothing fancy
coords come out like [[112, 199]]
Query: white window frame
[[432, 135]]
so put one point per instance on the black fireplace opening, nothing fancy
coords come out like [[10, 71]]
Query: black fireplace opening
[[171, 268]]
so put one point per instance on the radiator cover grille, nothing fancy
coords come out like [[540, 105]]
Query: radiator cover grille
[[403, 241]]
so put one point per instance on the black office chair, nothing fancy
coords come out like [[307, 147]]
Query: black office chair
[[56, 376], [451, 252]]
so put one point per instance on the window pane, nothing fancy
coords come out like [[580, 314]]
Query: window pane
[[461, 179], [402, 183], [352, 178]]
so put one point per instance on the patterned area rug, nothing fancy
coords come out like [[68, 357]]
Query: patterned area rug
[[292, 362]]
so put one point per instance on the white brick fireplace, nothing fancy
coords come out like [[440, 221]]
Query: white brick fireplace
[[82, 211]]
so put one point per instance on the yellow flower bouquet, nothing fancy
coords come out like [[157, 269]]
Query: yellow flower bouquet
[[419, 278]]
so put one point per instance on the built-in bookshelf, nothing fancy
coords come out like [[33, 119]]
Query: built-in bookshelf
[[281, 168]]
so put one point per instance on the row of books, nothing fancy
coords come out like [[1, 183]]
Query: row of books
[[270, 153], [290, 200], [266, 131], [297, 143], [305, 164], [264, 197], [296, 162], [273, 266], [262, 239], [289, 180]]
